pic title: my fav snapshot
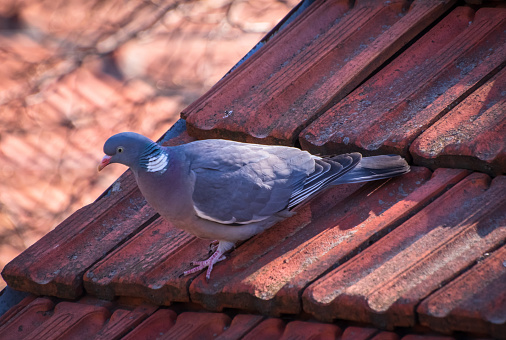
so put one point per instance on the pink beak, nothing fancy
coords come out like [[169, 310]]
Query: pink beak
[[105, 161]]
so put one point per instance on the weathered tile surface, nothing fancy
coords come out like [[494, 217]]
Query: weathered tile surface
[[414, 90], [191, 325], [472, 135], [270, 271], [149, 265], [122, 321], [358, 333], [68, 321], [475, 301], [25, 317], [384, 283], [153, 327], [56, 263], [268, 329], [315, 61], [241, 327], [91, 318]]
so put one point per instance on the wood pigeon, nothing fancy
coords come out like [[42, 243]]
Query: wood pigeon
[[229, 191]]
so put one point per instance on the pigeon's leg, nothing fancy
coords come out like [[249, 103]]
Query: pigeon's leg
[[223, 246], [213, 246]]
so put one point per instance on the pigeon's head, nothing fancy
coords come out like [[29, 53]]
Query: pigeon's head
[[125, 148]]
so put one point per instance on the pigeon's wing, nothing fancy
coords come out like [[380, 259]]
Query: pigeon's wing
[[328, 170], [245, 183]]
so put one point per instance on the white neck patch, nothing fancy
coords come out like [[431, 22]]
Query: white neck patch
[[158, 163]]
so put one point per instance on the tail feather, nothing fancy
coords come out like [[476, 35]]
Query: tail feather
[[375, 168]]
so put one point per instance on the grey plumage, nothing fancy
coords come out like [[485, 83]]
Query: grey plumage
[[230, 191]]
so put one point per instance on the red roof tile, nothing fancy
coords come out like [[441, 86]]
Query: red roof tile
[[241, 327], [149, 265], [317, 60], [473, 134], [386, 336], [474, 301], [85, 237], [67, 320], [310, 330], [397, 104], [154, 326], [29, 314], [267, 329], [122, 321], [384, 283], [191, 325], [358, 333]]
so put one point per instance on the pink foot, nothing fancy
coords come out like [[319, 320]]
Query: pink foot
[[209, 263], [219, 250]]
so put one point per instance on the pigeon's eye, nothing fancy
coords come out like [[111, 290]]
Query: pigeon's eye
[[119, 149]]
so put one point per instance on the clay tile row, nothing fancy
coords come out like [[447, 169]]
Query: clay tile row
[[472, 135], [391, 109], [315, 61], [36, 318], [384, 284], [56, 263]]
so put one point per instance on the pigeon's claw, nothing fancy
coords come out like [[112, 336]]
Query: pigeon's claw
[[209, 263]]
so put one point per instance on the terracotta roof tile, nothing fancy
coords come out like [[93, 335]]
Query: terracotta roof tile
[[386, 336], [26, 317], [387, 112], [358, 333], [310, 330], [474, 301], [122, 321], [149, 265], [274, 94], [472, 135], [71, 248], [241, 327], [268, 329], [384, 283], [75, 323], [154, 326], [192, 325]]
